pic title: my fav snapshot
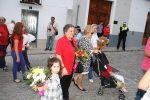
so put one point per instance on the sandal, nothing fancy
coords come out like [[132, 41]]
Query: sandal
[[17, 80]]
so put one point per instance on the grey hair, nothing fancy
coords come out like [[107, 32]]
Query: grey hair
[[66, 27]]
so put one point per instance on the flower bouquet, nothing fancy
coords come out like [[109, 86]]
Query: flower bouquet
[[101, 42], [81, 55], [36, 77]]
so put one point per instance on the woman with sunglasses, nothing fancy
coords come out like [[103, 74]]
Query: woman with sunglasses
[[85, 44]]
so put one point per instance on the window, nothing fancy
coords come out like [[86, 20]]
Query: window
[[36, 2]]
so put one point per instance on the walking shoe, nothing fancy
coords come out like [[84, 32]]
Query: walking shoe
[[4, 69], [91, 80], [50, 49], [46, 49], [124, 89]]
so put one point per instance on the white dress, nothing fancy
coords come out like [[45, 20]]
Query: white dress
[[54, 91]]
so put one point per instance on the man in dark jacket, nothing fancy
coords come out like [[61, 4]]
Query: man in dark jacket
[[122, 35]]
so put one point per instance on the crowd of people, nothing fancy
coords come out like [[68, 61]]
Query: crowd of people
[[61, 66]]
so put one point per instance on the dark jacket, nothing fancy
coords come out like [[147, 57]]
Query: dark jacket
[[123, 32]]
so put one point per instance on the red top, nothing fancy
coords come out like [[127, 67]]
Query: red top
[[24, 32], [5, 34], [146, 61], [65, 49], [20, 43], [106, 31]]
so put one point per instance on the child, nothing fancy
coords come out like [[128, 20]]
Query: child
[[52, 88]]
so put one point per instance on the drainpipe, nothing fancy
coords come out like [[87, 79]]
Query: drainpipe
[[77, 13]]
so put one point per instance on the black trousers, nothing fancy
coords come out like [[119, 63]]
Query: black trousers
[[99, 34], [123, 43], [65, 82], [2, 55]]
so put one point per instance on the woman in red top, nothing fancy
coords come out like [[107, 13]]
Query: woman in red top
[[16, 52], [106, 31], [65, 51]]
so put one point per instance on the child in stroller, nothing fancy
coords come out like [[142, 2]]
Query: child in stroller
[[108, 79]]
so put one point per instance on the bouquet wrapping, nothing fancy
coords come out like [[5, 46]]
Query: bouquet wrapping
[[36, 77], [81, 55], [101, 42]]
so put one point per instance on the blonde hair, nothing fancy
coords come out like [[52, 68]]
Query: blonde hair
[[94, 25], [88, 29]]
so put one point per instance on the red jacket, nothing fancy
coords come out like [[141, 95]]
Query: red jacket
[[5, 34], [65, 49], [106, 31]]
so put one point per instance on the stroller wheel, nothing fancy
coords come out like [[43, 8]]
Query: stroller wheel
[[121, 97], [100, 91], [120, 91]]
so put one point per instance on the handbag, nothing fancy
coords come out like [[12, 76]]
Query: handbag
[[56, 32], [79, 68]]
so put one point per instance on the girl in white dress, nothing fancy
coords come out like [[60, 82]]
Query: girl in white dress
[[52, 88]]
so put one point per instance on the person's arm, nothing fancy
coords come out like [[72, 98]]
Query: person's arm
[[16, 42], [147, 54], [145, 80], [147, 48], [64, 70], [59, 53]]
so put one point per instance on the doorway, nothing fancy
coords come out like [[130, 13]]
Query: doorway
[[147, 30], [30, 19], [99, 10]]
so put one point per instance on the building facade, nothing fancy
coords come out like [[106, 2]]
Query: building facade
[[79, 12]]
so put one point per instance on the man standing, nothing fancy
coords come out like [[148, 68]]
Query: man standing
[[52, 28], [100, 29], [4, 34], [122, 36]]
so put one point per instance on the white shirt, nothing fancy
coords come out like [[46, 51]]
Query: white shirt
[[52, 31], [10, 27], [94, 40]]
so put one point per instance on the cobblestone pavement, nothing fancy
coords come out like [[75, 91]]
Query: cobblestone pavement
[[128, 63]]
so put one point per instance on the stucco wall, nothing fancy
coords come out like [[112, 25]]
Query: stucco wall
[[83, 13], [138, 15], [122, 13], [11, 10]]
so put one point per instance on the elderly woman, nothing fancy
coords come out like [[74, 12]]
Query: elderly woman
[[65, 51], [85, 44]]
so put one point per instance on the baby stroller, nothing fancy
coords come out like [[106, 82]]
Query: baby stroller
[[102, 70]]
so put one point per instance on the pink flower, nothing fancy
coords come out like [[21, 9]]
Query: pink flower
[[29, 75]]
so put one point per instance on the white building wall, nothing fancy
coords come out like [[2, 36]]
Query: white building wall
[[138, 15], [11, 10], [83, 13], [122, 12]]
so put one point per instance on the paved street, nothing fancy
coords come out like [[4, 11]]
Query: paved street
[[128, 63]]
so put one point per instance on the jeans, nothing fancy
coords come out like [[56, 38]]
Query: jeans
[[2, 55], [90, 74], [25, 59], [144, 71], [139, 94], [15, 64], [50, 41]]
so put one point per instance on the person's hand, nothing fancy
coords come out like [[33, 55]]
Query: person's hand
[[95, 51], [64, 71], [0, 34], [27, 46], [18, 60]]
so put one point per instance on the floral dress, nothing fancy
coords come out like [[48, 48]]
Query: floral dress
[[54, 91], [85, 44]]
